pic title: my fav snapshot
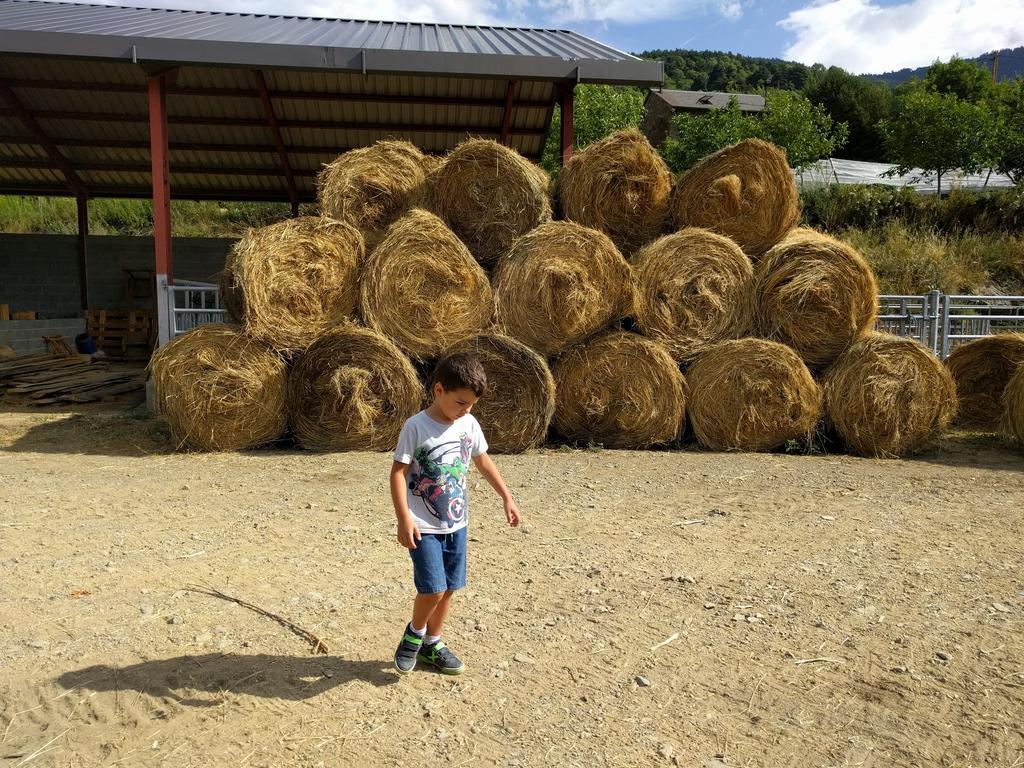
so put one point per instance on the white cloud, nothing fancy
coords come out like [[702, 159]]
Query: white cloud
[[865, 37], [630, 11]]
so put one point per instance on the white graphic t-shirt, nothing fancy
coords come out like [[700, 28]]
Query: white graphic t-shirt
[[439, 456]]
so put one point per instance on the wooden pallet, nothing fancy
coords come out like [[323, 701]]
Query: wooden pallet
[[122, 332]]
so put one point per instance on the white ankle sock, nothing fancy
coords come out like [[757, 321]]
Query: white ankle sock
[[418, 632], [431, 639]]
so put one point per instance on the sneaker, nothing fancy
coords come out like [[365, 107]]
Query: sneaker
[[405, 655], [442, 658]]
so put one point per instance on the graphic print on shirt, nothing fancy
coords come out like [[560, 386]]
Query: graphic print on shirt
[[440, 479]]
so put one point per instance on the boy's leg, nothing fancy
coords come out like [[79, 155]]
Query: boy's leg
[[434, 651], [435, 621], [429, 577], [426, 606]]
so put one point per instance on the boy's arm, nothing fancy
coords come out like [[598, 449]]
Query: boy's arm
[[408, 533], [493, 476]]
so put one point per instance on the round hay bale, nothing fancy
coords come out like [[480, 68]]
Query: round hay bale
[[220, 390], [372, 186], [815, 294], [422, 288], [746, 192], [1013, 406], [489, 195], [888, 396], [559, 284], [981, 369], [619, 390], [517, 407], [620, 186], [693, 288], [751, 395], [289, 282], [352, 389]]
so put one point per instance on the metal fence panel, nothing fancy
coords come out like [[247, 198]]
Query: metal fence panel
[[192, 304], [974, 317], [943, 322]]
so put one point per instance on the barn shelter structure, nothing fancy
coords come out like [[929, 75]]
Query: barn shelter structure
[[108, 101]]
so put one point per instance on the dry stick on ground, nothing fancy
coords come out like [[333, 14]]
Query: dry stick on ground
[[319, 646], [824, 659]]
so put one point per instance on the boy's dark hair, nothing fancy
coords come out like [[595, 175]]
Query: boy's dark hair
[[462, 370]]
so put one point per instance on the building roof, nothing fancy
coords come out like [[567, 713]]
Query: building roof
[[80, 73], [162, 35], [703, 100]]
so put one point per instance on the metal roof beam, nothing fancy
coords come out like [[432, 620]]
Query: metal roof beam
[[202, 170], [506, 116], [275, 132], [267, 149], [19, 110], [366, 98], [244, 122]]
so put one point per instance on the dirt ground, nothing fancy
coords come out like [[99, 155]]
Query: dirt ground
[[662, 608]]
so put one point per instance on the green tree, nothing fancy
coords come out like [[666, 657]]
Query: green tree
[[1009, 143], [806, 131], [938, 132], [701, 134], [791, 121], [859, 103], [598, 111], [966, 80]]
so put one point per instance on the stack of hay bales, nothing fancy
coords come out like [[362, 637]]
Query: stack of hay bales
[[647, 308]]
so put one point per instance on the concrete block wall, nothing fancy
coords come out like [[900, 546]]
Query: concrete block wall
[[40, 272], [26, 336]]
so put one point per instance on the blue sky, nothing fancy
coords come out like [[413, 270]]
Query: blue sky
[[859, 35]]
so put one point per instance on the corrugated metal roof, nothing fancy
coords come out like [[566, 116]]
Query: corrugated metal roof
[[701, 100], [71, 67], [147, 34]]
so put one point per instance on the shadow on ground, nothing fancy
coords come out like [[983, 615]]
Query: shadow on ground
[[185, 678], [132, 433]]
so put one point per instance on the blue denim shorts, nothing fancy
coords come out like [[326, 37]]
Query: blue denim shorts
[[439, 562]]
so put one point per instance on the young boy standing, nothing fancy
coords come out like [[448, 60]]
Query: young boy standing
[[428, 488]]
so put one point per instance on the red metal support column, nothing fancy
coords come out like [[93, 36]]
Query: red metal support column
[[506, 118], [83, 261], [161, 198], [275, 131], [565, 94]]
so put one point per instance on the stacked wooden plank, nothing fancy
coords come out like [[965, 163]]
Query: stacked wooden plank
[[47, 379], [124, 333]]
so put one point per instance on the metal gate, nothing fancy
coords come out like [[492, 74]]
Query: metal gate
[[190, 304], [944, 321]]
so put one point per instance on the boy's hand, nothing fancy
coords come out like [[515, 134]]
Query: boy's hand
[[512, 513], [408, 533]]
